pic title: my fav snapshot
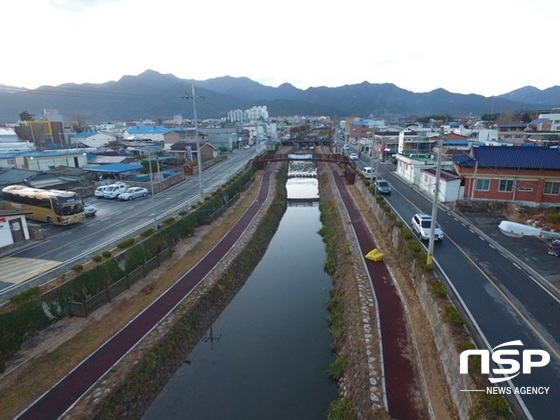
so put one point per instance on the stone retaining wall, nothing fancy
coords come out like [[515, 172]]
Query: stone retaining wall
[[443, 337]]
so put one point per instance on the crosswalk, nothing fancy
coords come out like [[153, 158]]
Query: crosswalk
[[15, 270]]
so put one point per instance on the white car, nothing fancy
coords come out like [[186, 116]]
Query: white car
[[354, 156], [368, 172], [99, 191], [133, 192], [89, 210], [421, 225]]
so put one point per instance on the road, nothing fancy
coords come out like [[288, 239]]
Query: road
[[62, 247], [501, 299]]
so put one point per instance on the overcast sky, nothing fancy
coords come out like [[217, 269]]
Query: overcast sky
[[488, 47]]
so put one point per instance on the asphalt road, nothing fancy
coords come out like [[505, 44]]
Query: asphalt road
[[499, 285], [115, 220]]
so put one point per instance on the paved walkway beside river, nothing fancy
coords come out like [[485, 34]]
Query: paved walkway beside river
[[69, 389], [403, 385]]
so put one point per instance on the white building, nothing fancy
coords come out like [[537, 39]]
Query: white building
[[8, 135], [410, 168], [42, 161], [236, 115], [553, 119], [486, 136], [13, 227], [96, 140], [449, 185], [52, 115]]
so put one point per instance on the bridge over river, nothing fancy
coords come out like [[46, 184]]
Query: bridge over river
[[340, 159]]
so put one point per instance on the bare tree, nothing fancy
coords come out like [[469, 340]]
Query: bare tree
[[78, 123]]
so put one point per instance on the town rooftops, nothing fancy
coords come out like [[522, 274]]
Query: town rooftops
[[516, 157]]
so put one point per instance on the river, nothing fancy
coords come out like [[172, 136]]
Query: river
[[267, 355]]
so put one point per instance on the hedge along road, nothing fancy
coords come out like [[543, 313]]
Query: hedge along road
[[403, 389], [61, 397]]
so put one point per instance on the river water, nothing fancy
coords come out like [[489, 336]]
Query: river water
[[267, 355]]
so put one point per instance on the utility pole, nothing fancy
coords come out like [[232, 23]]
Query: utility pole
[[198, 151], [429, 259], [153, 188]]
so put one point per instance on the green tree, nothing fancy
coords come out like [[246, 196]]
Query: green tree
[[489, 117], [526, 118], [26, 116]]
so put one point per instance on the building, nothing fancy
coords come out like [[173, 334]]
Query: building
[[93, 139], [449, 184], [527, 175], [412, 168], [223, 139], [43, 134], [154, 133], [43, 160], [514, 133], [188, 151], [8, 135], [13, 227]]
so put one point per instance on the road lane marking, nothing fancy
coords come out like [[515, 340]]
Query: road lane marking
[[552, 350]]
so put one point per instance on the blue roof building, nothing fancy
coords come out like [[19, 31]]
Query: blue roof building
[[526, 175]]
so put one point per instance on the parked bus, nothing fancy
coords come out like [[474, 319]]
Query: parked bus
[[51, 206]]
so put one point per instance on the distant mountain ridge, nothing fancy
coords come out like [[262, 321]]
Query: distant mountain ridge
[[152, 95]]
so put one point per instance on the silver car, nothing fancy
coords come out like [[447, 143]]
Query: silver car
[[133, 192], [89, 210], [382, 187]]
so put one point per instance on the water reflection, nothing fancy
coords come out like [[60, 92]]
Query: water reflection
[[304, 186]]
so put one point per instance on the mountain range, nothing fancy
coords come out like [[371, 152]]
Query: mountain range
[[156, 96]]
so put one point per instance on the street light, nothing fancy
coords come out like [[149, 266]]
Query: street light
[[518, 230], [153, 187], [429, 258], [198, 154]]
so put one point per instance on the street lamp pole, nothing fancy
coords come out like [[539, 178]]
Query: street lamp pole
[[198, 151], [429, 259], [153, 188], [377, 156]]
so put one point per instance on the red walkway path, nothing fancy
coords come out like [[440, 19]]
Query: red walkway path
[[401, 380], [68, 390]]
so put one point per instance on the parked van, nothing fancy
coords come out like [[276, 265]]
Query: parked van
[[368, 172], [114, 190]]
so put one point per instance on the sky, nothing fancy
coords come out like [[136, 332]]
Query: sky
[[486, 47]]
